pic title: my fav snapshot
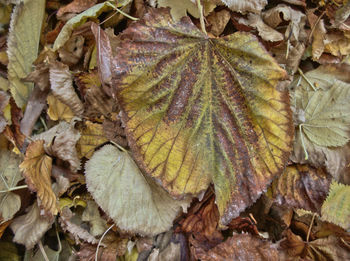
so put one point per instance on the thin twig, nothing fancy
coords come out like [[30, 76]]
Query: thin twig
[[306, 79], [309, 231], [42, 250], [14, 188], [100, 241], [122, 12]]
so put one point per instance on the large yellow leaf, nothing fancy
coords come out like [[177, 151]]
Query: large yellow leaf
[[199, 110], [36, 168], [23, 44]]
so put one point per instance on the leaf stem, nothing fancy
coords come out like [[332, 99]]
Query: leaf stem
[[14, 188], [201, 16], [306, 79], [99, 242], [309, 231], [122, 12], [302, 142]]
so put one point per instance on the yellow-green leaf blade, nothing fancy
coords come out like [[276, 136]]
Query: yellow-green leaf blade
[[200, 110], [23, 44]]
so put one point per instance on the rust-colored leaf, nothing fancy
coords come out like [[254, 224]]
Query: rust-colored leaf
[[36, 169], [201, 110], [301, 186]]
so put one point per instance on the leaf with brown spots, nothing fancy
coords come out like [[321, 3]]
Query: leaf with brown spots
[[36, 169], [301, 186], [199, 110]]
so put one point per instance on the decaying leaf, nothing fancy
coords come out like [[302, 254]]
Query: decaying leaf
[[60, 141], [23, 44], [266, 32], [254, 6], [200, 110], [72, 51], [179, 9], [112, 174], [336, 208], [301, 186], [36, 169], [61, 81], [92, 136], [29, 228], [218, 21], [57, 110], [10, 174], [318, 39], [240, 247]]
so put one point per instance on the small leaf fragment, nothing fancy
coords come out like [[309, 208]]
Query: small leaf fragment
[[57, 110], [336, 208], [115, 182], [36, 169], [23, 44]]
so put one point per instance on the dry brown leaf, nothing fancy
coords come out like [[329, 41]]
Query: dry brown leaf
[[40, 76], [62, 87], [171, 252], [240, 247], [60, 141], [203, 223], [72, 51], [266, 32], [30, 228], [275, 16], [115, 132], [254, 6], [97, 102], [76, 6], [36, 169], [57, 110], [92, 136], [337, 44], [301, 186], [218, 21]]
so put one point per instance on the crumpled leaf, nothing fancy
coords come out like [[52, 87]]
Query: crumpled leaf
[[92, 136], [77, 231], [266, 32], [254, 6], [91, 214], [60, 141], [29, 228], [326, 121], [318, 39], [200, 110], [10, 174], [72, 51], [171, 252], [76, 6], [336, 208], [112, 174], [240, 247], [61, 81], [275, 16], [36, 169], [81, 18], [301, 186], [23, 44], [337, 44], [179, 8], [328, 248], [218, 21], [57, 110]]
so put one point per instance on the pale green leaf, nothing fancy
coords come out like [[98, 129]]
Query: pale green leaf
[[327, 114], [10, 174], [81, 18], [336, 208], [134, 202], [23, 44]]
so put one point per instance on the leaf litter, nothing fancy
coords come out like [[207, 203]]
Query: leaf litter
[[207, 130]]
